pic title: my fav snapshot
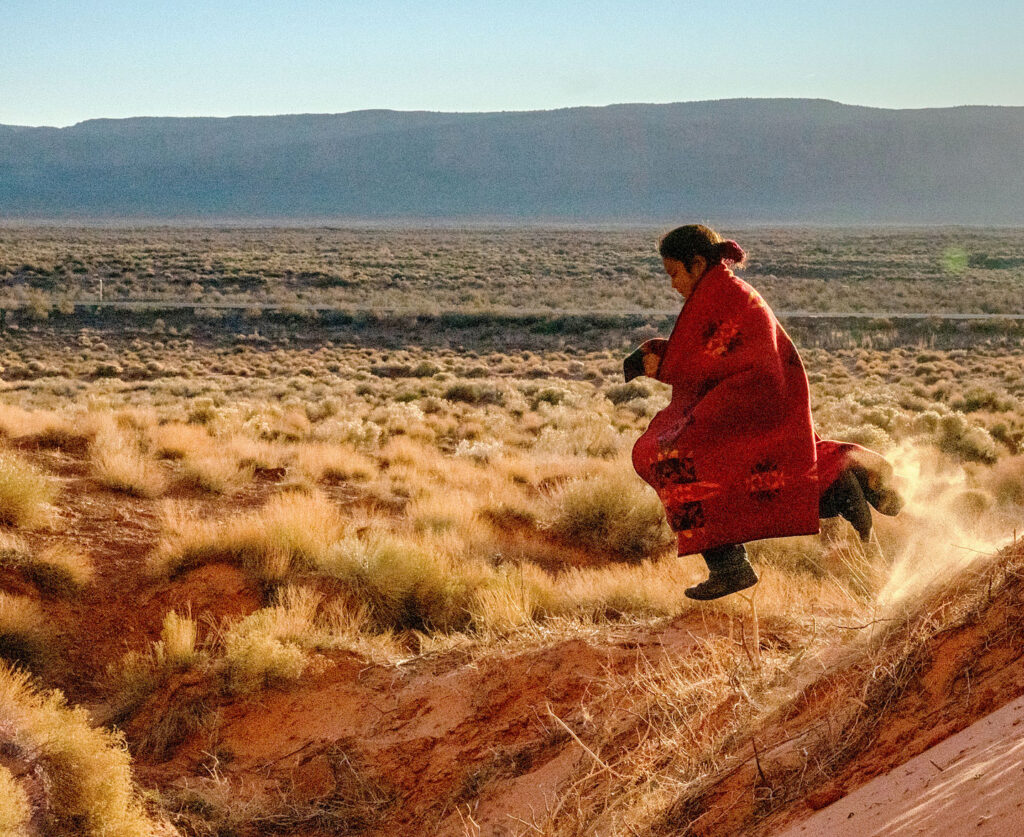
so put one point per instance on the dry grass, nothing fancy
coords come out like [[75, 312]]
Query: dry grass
[[138, 674], [487, 502], [14, 549], [87, 770], [212, 805], [269, 646], [57, 570], [694, 719], [293, 530], [14, 808], [24, 633], [175, 440], [215, 473], [119, 464], [322, 461], [612, 512], [26, 494], [407, 582]]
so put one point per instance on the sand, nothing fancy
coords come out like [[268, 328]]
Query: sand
[[970, 784]]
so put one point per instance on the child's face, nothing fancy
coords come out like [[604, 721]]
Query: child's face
[[684, 279]]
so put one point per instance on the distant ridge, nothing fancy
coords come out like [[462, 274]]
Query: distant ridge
[[786, 160]]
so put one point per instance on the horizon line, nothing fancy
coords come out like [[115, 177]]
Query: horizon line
[[507, 112]]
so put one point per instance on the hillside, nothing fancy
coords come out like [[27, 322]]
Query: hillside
[[745, 160]]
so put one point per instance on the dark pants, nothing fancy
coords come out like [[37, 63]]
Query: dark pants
[[723, 557], [846, 497]]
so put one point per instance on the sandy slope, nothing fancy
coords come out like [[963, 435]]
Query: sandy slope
[[971, 783]]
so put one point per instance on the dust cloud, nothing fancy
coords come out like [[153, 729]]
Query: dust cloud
[[953, 517]]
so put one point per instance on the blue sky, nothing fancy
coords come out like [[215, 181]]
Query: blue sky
[[62, 62]]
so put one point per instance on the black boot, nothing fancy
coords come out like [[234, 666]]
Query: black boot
[[845, 497], [879, 490], [729, 572]]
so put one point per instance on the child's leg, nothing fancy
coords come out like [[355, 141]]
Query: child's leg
[[845, 497], [729, 571]]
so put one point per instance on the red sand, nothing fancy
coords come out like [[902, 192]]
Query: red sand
[[971, 783]]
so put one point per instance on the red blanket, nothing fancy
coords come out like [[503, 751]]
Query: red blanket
[[734, 456]]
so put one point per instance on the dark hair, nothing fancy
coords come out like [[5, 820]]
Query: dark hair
[[684, 243]]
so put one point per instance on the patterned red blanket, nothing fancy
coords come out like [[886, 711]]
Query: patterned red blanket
[[734, 456]]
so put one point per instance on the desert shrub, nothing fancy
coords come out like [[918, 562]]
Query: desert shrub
[[317, 411], [548, 395], [966, 441], [138, 674], [869, 435], [26, 493], [925, 423], [621, 393], [24, 635], [119, 464], [87, 770], [478, 451], [58, 570], [405, 582], [202, 411], [14, 808], [612, 512], [392, 370], [106, 369], [291, 531], [980, 398], [1006, 481], [474, 393], [268, 646], [425, 369]]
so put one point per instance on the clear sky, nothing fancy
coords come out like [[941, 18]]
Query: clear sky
[[62, 61]]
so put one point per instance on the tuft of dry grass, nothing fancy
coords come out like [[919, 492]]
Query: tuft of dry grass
[[14, 808], [119, 464], [14, 550], [291, 531], [406, 581], [24, 635], [139, 674], [177, 645], [58, 570], [87, 770], [611, 512], [175, 440], [322, 461], [26, 494], [269, 646], [215, 473]]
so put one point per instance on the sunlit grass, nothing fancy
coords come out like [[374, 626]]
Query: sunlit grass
[[26, 494], [291, 531], [87, 770]]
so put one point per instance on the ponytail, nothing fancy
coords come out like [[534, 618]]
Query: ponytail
[[731, 252]]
